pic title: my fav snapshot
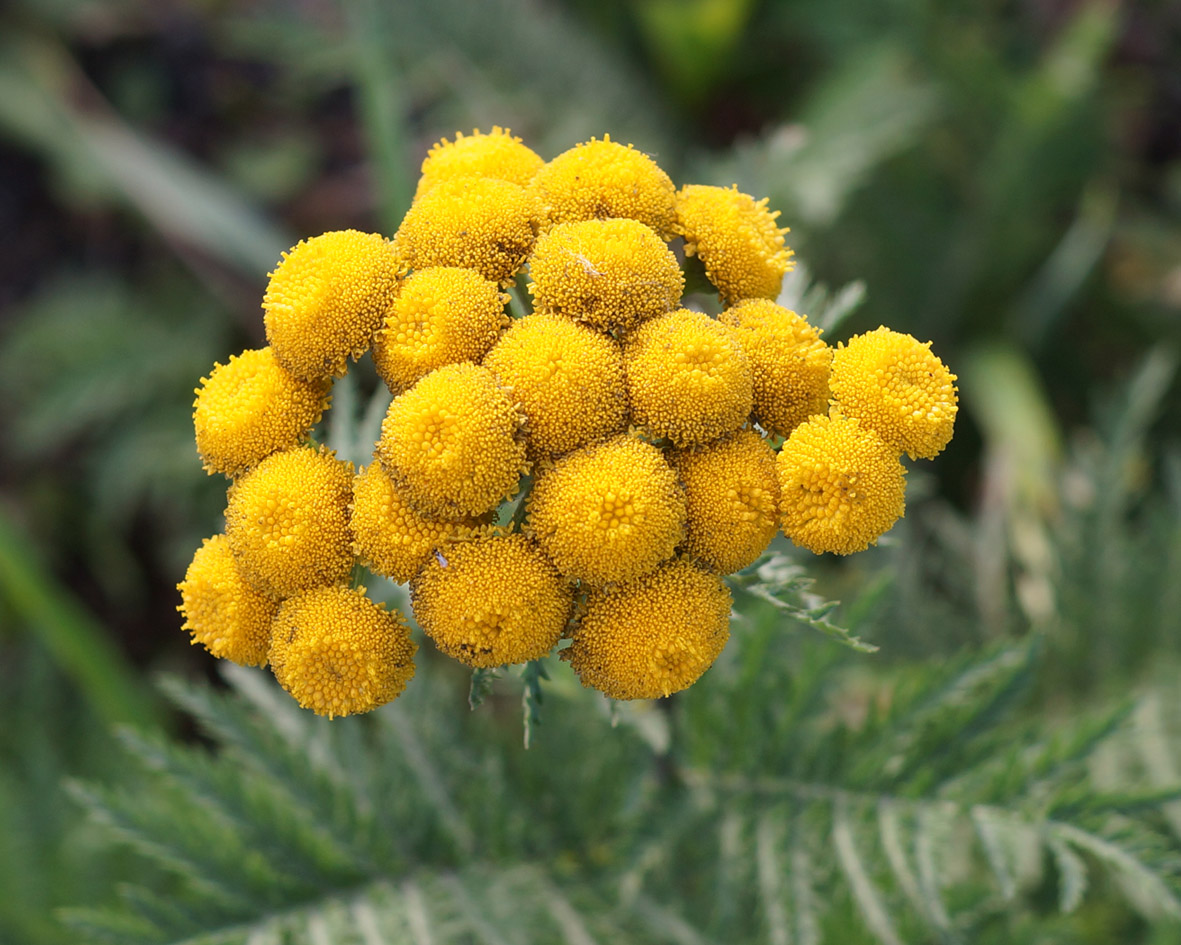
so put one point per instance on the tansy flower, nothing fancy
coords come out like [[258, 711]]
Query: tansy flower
[[611, 511], [788, 360], [567, 378], [327, 298], [607, 273], [390, 537], [287, 522], [472, 222], [732, 497], [338, 653], [688, 379], [599, 180], [492, 601], [651, 637], [897, 387], [840, 486], [737, 239], [453, 444], [497, 154], [249, 408], [222, 611], [443, 315]]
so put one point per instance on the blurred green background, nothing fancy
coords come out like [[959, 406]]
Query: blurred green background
[[1003, 178]]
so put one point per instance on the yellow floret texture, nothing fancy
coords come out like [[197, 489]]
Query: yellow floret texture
[[732, 497], [568, 379], [897, 387], [599, 180], [654, 636], [608, 273], [288, 522], [736, 238], [496, 154], [326, 299], [611, 511], [338, 653], [443, 315], [492, 601], [223, 612], [453, 443], [841, 486], [688, 379], [789, 362]]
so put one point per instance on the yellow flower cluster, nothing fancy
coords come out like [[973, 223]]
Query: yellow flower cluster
[[659, 448]]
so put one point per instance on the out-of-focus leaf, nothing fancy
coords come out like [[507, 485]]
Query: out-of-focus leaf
[[693, 42]]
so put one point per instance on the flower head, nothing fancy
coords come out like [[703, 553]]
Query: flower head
[[789, 362], [611, 511], [222, 611], [732, 496], [288, 522], [688, 378], [338, 653], [452, 444], [897, 387], [492, 601], [737, 239], [607, 273], [653, 636], [840, 486], [599, 180], [568, 378], [496, 154], [443, 315], [327, 298]]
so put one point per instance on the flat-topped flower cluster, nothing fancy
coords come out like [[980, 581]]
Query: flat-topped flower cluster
[[664, 447]]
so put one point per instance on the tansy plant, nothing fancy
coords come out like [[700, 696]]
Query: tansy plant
[[664, 447]]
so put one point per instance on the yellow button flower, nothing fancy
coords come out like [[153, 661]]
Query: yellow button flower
[[453, 443], [688, 378], [443, 315], [651, 637], [789, 362], [338, 653], [568, 379], [736, 238], [287, 522], [840, 486], [608, 273], [611, 511], [327, 298], [899, 388], [732, 495], [222, 611], [497, 154], [492, 601]]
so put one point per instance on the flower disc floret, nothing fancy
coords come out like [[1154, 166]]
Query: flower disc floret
[[326, 299], [688, 379], [737, 239], [653, 636], [471, 222], [338, 653], [443, 315], [288, 522], [608, 273], [568, 379], [223, 612], [492, 601], [841, 486], [897, 387], [599, 180], [496, 154], [249, 408], [453, 444], [732, 497], [789, 362], [611, 511]]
